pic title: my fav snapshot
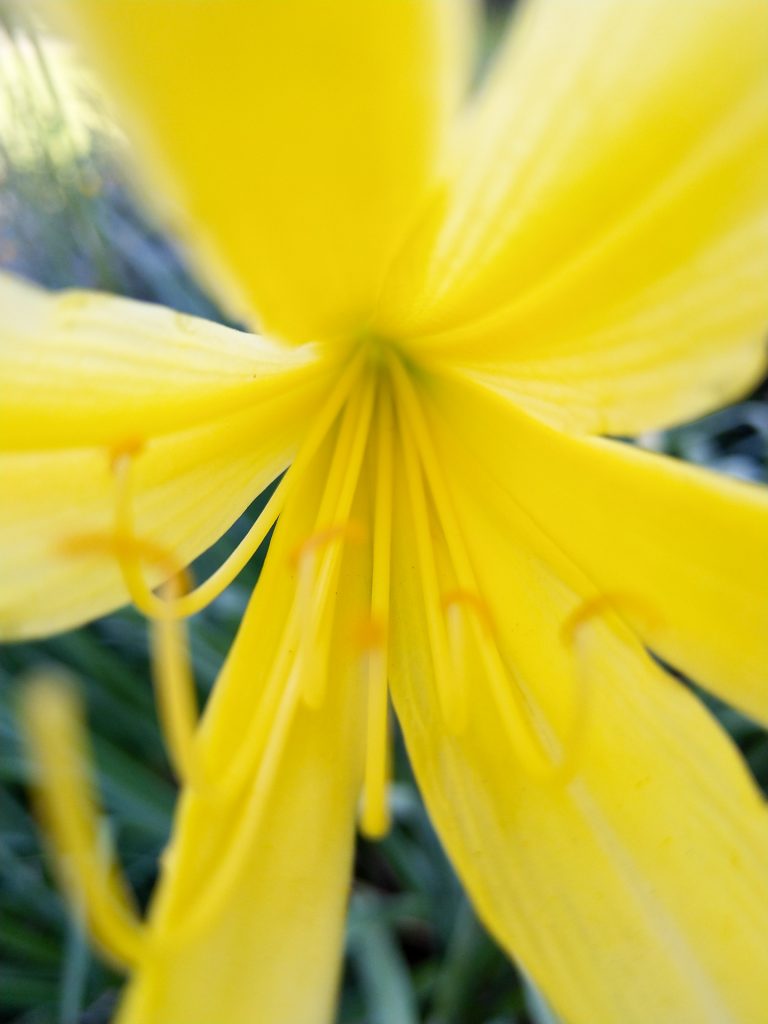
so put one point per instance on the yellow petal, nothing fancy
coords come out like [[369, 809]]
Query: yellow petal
[[214, 415], [248, 922], [600, 248], [631, 886], [683, 551], [299, 136], [82, 368]]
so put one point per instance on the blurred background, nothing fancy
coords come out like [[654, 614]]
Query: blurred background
[[415, 951]]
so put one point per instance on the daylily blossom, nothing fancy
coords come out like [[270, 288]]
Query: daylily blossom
[[455, 290]]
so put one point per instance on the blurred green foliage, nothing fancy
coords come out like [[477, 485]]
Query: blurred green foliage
[[415, 950]]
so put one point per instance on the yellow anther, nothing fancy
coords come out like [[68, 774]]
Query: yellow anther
[[625, 605], [51, 717], [122, 461], [470, 600], [129, 549], [171, 666], [126, 449], [609, 607], [318, 560], [370, 635], [352, 532], [531, 736], [112, 546]]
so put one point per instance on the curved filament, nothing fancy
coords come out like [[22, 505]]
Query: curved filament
[[175, 694], [175, 690], [319, 557], [123, 462], [533, 740], [184, 605]]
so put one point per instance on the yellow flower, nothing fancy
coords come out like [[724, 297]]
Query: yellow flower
[[461, 295]]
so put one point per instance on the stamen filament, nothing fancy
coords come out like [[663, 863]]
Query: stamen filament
[[375, 817], [196, 600], [306, 626], [338, 496], [409, 403], [175, 691], [528, 742], [185, 605], [51, 717], [530, 734], [451, 697], [617, 610], [260, 749]]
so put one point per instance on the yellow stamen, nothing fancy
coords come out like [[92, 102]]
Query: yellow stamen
[[308, 626], [184, 605], [174, 686], [451, 695], [530, 734], [605, 605], [353, 531], [129, 548], [532, 740], [123, 459], [52, 721], [317, 575], [408, 405], [610, 608], [313, 591], [171, 668], [175, 690], [370, 635], [375, 818]]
